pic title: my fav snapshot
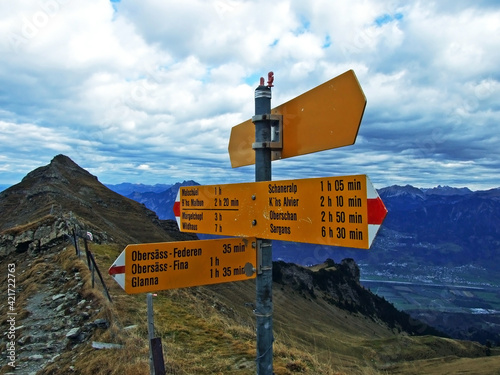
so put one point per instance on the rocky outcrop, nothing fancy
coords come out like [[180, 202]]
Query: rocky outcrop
[[45, 234], [33, 238], [339, 285], [352, 267]]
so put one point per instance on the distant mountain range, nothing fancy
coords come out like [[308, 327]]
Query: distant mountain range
[[438, 226], [321, 309], [161, 202], [441, 226], [126, 188], [437, 255], [443, 237]]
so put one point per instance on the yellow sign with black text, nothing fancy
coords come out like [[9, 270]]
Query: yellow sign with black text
[[169, 265], [341, 211]]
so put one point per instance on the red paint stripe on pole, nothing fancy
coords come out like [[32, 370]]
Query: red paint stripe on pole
[[376, 211], [116, 270]]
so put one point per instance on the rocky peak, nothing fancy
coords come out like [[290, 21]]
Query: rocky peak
[[447, 190], [63, 160], [338, 284], [63, 189], [61, 169], [402, 191], [352, 267]]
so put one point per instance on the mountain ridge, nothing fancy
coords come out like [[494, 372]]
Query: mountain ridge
[[163, 202], [438, 236], [438, 215], [126, 188], [63, 195], [53, 199]]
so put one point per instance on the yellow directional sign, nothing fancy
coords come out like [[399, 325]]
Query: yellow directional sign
[[340, 211], [326, 117], [150, 267]]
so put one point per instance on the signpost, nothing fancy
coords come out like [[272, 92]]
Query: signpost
[[326, 117], [264, 281], [151, 267], [341, 211]]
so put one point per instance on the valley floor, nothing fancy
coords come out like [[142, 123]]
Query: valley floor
[[468, 311]]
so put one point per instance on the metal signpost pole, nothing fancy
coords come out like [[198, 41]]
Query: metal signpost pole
[[264, 303], [151, 331]]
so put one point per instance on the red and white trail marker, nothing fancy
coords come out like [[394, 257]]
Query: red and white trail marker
[[117, 269], [177, 208], [376, 211]]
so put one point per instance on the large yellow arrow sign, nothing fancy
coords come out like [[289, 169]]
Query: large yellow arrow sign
[[323, 118], [339, 211]]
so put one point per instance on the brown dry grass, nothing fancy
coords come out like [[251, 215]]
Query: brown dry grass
[[211, 330], [47, 219]]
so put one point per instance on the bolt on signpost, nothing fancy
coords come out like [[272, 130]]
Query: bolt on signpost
[[264, 302]]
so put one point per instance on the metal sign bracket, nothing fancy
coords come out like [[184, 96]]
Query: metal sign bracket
[[276, 144], [260, 244]]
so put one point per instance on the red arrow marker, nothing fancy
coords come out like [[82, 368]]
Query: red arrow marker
[[116, 270], [376, 211], [177, 208]]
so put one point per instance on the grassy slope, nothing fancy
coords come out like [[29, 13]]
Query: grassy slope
[[210, 330]]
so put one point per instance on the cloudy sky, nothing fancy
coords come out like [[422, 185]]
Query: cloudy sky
[[147, 91]]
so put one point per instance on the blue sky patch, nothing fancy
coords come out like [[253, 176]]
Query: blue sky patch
[[386, 18], [328, 42]]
